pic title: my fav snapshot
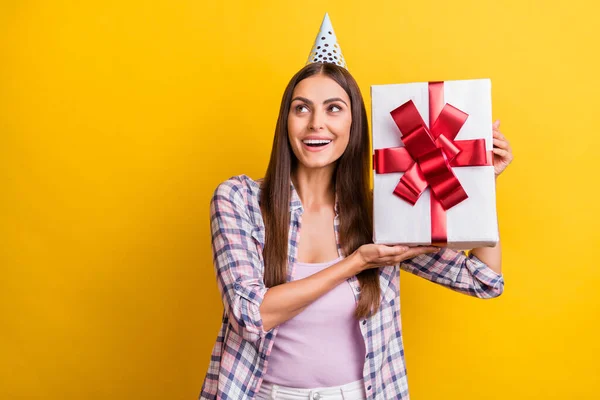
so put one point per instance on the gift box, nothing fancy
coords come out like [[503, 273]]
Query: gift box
[[432, 164]]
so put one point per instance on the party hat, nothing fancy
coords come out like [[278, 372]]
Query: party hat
[[326, 47]]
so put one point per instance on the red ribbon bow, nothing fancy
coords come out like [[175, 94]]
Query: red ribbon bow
[[428, 155]]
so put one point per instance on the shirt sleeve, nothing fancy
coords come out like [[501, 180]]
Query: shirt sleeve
[[457, 271], [238, 264]]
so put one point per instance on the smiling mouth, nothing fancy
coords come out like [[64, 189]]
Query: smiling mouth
[[316, 142]]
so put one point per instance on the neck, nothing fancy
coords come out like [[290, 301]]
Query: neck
[[315, 187]]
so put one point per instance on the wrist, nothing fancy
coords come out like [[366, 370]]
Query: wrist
[[356, 263]]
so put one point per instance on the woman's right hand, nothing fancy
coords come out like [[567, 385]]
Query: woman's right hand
[[379, 255]]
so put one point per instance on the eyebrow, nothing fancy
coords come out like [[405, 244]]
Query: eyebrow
[[307, 101]]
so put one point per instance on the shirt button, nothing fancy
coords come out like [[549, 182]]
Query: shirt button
[[316, 396], [358, 289], [369, 388], [364, 322]]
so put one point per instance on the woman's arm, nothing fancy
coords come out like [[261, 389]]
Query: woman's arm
[[235, 259], [457, 271], [491, 256], [287, 300]]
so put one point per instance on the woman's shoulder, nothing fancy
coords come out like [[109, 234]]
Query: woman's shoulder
[[241, 187]]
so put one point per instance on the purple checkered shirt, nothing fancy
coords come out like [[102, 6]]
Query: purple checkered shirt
[[241, 353]]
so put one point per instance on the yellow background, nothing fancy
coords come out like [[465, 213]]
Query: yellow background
[[119, 118]]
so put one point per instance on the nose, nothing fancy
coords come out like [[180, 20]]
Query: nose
[[317, 121]]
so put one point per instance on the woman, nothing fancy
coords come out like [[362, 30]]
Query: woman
[[311, 306]]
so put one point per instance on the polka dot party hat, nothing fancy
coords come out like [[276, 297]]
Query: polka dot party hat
[[326, 47]]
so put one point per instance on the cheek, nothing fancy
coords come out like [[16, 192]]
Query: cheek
[[342, 131], [344, 122], [294, 126], [342, 144]]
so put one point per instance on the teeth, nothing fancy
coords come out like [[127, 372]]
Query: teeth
[[316, 141]]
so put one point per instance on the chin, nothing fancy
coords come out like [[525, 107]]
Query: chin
[[316, 164]]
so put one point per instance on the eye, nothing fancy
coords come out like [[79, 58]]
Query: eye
[[301, 107], [335, 108]]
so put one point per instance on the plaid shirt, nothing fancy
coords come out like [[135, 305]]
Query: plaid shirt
[[241, 353]]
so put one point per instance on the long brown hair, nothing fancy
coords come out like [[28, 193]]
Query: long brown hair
[[351, 186]]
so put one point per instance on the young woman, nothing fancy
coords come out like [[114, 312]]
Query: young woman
[[311, 306]]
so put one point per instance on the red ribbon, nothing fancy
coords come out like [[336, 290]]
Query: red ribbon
[[428, 155]]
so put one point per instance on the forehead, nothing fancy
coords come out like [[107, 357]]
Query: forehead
[[319, 88]]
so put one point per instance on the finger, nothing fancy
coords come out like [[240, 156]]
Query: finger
[[401, 248], [498, 134], [496, 124], [390, 251], [501, 152], [428, 249], [417, 251], [503, 144]]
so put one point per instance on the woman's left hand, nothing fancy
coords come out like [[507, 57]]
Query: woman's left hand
[[502, 150]]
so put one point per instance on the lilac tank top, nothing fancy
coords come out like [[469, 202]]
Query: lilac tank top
[[322, 346]]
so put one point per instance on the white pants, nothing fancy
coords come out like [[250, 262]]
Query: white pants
[[349, 391]]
